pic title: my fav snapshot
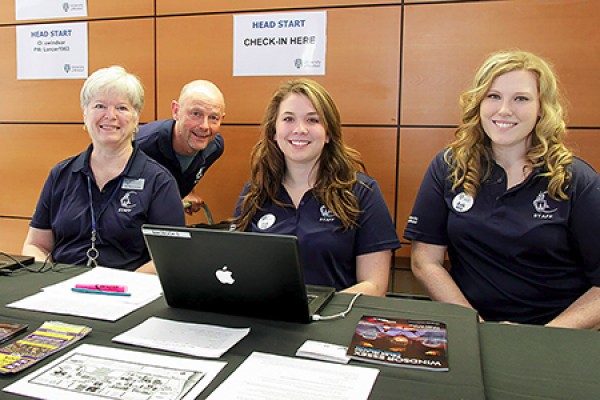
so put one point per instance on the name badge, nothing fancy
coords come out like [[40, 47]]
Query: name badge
[[133, 184]]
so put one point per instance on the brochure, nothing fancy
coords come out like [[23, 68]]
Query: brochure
[[49, 338], [9, 330], [401, 342]]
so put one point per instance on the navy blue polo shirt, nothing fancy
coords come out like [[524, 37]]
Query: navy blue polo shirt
[[156, 139], [327, 251], [144, 193], [516, 254]]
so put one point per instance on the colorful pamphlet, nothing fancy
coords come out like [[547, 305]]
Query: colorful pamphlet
[[49, 338], [401, 342], [9, 330]]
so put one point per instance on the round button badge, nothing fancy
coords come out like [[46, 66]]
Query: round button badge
[[462, 202], [266, 221]]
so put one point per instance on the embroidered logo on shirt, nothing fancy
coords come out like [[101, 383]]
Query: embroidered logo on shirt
[[542, 208], [127, 203], [199, 175], [413, 220], [326, 215], [266, 221], [462, 202]]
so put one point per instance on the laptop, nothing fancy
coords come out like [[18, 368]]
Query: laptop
[[14, 261], [243, 273]]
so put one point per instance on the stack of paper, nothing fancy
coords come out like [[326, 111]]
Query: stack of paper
[[269, 377], [324, 351], [194, 339], [60, 299]]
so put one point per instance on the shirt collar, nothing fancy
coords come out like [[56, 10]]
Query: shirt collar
[[134, 167]]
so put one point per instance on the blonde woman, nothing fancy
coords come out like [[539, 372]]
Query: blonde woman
[[517, 213], [93, 205]]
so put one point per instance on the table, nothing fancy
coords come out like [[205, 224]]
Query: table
[[526, 362], [490, 361]]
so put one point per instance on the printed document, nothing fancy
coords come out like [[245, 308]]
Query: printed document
[[188, 338], [60, 299], [98, 372], [265, 376]]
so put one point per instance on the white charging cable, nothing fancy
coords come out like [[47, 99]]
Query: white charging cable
[[343, 314]]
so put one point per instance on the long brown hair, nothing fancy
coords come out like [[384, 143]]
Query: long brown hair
[[470, 154], [337, 167]]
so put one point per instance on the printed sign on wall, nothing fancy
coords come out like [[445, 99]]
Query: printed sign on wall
[[280, 44], [49, 9], [52, 51]]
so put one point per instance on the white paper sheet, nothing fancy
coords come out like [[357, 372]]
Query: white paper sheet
[[52, 51], [194, 339], [44, 9], [93, 372], [59, 298], [271, 44], [324, 351], [266, 376]]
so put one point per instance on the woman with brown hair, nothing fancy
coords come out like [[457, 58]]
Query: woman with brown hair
[[306, 182]]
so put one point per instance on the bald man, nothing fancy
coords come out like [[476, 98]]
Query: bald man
[[190, 143]]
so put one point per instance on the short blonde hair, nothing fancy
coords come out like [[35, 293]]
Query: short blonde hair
[[114, 78]]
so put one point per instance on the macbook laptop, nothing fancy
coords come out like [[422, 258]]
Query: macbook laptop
[[250, 274], [14, 261]]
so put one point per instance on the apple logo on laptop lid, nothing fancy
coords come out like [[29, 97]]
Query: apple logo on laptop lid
[[225, 276]]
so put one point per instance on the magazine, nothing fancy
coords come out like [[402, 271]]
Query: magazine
[[401, 342], [9, 330]]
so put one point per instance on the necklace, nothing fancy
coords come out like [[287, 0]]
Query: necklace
[[93, 253]]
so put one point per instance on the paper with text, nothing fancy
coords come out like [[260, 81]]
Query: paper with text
[[93, 372], [59, 298], [265, 376], [188, 338]]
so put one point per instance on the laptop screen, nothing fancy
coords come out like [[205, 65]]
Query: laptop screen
[[242, 273]]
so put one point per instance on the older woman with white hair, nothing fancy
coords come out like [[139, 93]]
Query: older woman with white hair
[[93, 205]]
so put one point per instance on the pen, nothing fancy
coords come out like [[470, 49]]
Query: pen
[[81, 290]]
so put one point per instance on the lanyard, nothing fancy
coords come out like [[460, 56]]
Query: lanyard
[[93, 253]]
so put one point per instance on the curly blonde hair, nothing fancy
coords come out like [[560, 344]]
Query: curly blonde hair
[[470, 154], [337, 167]]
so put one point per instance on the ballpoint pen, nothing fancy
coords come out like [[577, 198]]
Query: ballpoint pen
[[81, 290]]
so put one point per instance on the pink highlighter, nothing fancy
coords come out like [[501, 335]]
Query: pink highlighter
[[102, 288]]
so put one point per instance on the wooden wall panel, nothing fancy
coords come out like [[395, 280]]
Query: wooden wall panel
[[224, 181], [418, 146], [377, 147], [585, 144], [129, 43], [120, 8], [445, 43], [28, 154], [96, 9], [166, 7], [362, 64], [12, 234], [412, 2]]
